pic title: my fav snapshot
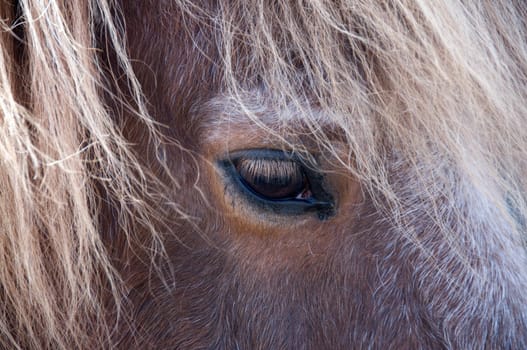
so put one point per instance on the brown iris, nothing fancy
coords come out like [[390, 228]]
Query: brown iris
[[274, 178]]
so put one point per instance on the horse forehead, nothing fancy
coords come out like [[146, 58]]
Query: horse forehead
[[174, 55], [180, 64]]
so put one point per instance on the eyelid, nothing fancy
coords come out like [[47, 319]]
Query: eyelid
[[272, 178], [270, 169]]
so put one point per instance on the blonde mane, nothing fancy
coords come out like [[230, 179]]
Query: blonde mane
[[437, 88]]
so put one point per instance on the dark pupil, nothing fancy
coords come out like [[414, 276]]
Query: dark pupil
[[271, 178]]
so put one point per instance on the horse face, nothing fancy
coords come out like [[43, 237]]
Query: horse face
[[281, 248]]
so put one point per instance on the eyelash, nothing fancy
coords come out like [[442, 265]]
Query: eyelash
[[252, 172], [261, 175]]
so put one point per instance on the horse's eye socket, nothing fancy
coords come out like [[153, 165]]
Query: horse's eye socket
[[274, 179], [277, 181]]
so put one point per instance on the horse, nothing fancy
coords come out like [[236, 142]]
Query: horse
[[263, 174]]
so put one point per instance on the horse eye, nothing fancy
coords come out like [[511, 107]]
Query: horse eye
[[274, 179], [278, 181]]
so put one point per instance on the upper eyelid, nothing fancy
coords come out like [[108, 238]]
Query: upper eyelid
[[302, 158], [270, 168]]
